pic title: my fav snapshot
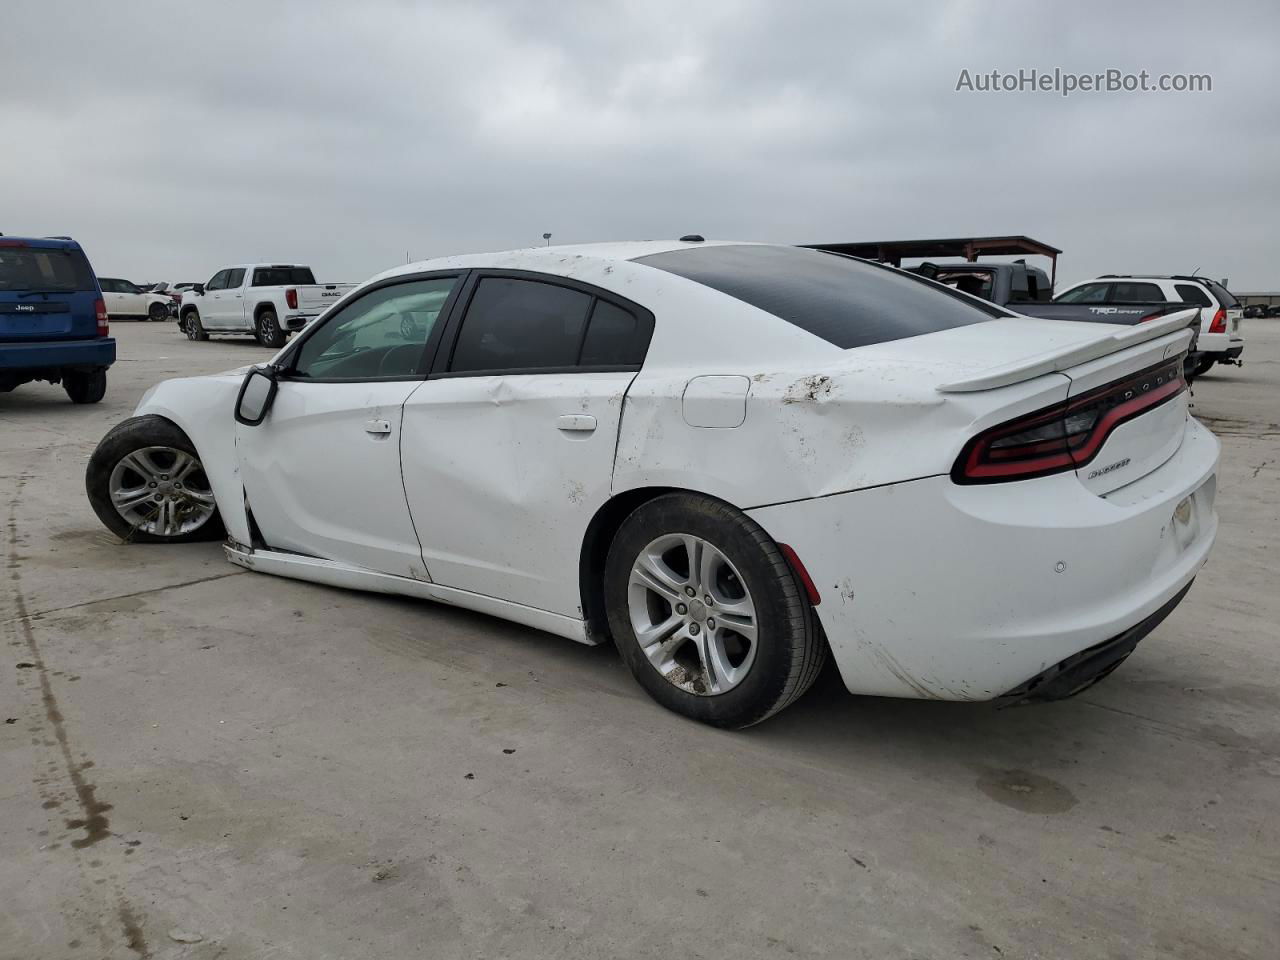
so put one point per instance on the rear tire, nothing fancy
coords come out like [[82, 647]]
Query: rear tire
[[749, 571], [85, 387], [157, 312], [192, 326], [268, 332], [142, 434]]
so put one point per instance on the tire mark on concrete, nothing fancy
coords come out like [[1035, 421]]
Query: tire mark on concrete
[[93, 820]]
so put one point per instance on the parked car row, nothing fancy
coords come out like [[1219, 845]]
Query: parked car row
[[1218, 313], [1262, 310], [55, 312], [1027, 290], [1113, 298]]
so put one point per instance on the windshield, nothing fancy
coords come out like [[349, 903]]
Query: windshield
[[49, 269]]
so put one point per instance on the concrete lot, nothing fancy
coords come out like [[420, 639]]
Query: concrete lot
[[284, 770]]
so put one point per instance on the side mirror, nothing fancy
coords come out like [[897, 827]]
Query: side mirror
[[256, 395], [198, 289]]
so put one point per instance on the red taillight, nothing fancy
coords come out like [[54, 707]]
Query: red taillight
[[806, 581], [1219, 324], [100, 311], [1066, 436], [291, 298]]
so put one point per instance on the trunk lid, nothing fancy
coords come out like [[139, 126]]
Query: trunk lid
[[316, 297], [986, 368], [1139, 445]]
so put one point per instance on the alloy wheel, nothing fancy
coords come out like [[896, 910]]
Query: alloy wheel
[[162, 491], [692, 614]]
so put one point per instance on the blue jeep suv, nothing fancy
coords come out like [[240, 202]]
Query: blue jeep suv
[[53, 321]]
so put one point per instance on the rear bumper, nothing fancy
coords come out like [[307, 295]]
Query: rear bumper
[[1218, 345], [296, 321], [58, 354], [933, 590], [1082, 670]]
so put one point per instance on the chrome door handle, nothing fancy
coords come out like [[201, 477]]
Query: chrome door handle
[[576, 421], [377, 427]]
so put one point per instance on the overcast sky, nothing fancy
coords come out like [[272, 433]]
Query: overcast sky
[[171, 139]]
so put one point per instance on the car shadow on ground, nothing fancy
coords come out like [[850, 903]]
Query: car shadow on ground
[[1122, 723]]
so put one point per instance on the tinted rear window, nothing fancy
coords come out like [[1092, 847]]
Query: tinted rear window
[[35, 268], [282, 276], [847, 302], [1224, 295]]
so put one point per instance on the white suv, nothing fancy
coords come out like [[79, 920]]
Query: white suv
[[1220, 339]]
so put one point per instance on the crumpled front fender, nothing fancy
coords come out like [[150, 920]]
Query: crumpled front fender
[[203, 408]]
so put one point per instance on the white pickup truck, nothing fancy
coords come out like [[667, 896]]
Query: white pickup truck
[[265, 300]]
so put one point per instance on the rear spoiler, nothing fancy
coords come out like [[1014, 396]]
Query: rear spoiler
[[1072, 356]]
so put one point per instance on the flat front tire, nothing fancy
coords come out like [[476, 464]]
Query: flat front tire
[[708, 614], [147, 485]]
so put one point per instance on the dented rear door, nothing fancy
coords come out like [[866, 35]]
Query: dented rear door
[[503, 475]]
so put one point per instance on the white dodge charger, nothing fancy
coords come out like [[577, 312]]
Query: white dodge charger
[[728, 458]]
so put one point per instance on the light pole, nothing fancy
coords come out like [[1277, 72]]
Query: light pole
[[547, 238]]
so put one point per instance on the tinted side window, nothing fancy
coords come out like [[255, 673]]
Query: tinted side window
[[615, 338], [234, 279], [219, 280], [520, 325], [1190, 293], [844, 301], [1088, 293], [1020, 289], [381, 336], [1137, 293]]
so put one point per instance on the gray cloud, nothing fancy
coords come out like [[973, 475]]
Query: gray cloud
[[172, 139]]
